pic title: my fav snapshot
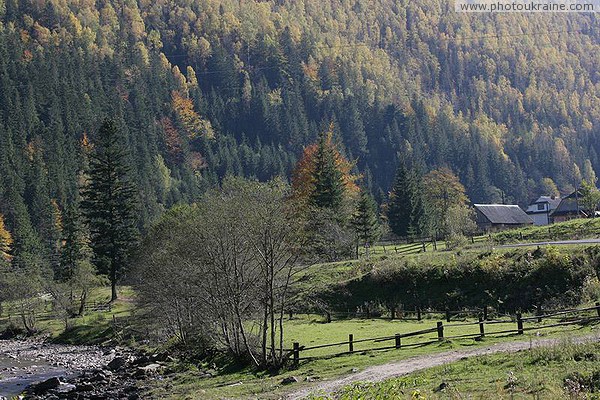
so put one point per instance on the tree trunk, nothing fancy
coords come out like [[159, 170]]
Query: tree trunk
[[82, 302], [113, 288]]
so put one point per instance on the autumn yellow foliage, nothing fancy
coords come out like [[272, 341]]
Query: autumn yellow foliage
[[5, 240]]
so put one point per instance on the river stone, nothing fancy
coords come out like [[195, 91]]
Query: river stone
[[46, 385], [141, 361], [117, 363], [65, 388], [152, 369], [85, 387]]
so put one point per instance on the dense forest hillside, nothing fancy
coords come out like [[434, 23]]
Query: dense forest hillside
[[206, 88]]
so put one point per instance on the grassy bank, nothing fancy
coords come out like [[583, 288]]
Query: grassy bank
[[563, 371], [570, 230], [94, 327], [229, 382]]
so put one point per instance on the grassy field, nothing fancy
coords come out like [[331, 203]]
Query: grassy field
[[575, 229], [570, 230], [244, 383], [563, 371], [95, 327]]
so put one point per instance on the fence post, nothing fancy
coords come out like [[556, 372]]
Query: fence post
[[481, 326], [351, 343], [419, 313], [398, 341], [424, 248], [519, 324], [447, 315], [539, 313], [440, 330], [485, 313], [598, 308], [296, 354]]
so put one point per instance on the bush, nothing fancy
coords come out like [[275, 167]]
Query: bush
[[519, 280]]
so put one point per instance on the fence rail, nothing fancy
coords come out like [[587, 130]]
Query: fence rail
[[518, 319]]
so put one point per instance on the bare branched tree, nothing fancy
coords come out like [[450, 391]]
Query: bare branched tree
[[221, 270]]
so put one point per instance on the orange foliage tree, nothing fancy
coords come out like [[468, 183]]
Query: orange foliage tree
[[189, 119], [310, 169], [5, 240], [172, 140]]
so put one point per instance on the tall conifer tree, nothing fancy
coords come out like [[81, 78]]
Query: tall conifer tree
[[329, 182], [110, 204], [364, 219], [406, 207]]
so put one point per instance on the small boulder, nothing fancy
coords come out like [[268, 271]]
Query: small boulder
[[65, 388], [46, 385], [117, 363], [289, 380], [148, 370], [143, 360], [85, 387]]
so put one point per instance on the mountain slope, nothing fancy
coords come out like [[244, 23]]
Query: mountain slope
[[205, 88]]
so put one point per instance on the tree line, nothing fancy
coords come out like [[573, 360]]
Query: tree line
[[204, 89]]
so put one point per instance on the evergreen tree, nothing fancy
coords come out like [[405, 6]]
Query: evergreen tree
[[406, 205], [73, 248], [364, 219], [329, 183], [109, 204]]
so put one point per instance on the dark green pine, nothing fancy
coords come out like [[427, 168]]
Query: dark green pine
[[365, 221], [329, 183], [109, 204], [400, 203]]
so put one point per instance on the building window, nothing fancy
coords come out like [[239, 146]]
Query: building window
[[541, 207]]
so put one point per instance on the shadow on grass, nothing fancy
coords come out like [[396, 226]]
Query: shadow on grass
[[88, 334]]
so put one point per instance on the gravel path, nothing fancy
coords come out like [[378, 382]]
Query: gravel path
[[382, 372], [555, 243]]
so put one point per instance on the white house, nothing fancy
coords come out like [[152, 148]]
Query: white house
[[541, 209]]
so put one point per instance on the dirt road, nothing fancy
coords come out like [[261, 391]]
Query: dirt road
[[382, 372]]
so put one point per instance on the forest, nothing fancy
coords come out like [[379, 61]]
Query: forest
[[204, 89]]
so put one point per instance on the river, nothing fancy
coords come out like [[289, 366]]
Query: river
[[25, 362], [17, 374]]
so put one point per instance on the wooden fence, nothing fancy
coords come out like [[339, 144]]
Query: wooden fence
[[563, 318], [417, 314], [407, 246]]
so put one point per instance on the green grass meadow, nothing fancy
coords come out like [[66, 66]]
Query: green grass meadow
[[563, 371], [311, 330], [94, 327]]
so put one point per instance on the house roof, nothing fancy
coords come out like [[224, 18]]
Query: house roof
[[504, 214], [553, 202], [570, 205]]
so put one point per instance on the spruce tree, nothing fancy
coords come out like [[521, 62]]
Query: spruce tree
[[329, 181], [109, 204], [406, 206], [418, 214], [73, 248], [400, 203], [364, 219]]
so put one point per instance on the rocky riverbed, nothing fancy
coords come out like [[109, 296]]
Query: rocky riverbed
[[48, 371]]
